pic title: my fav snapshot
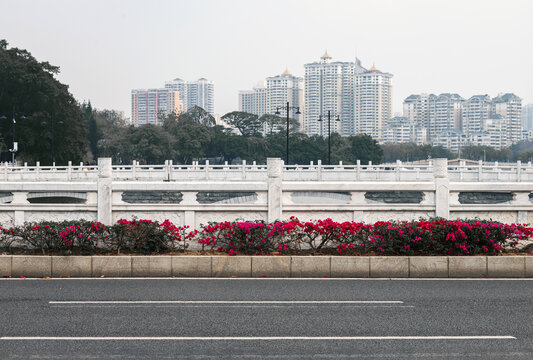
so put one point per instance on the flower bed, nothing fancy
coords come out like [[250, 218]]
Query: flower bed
[[422, 237]]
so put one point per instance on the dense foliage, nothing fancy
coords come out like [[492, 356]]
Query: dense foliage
[[422, 237], [43, 108]]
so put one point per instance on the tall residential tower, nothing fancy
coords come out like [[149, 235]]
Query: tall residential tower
[[149, 105], [195, 93], [279, 90], [373, 102], [330, 85]]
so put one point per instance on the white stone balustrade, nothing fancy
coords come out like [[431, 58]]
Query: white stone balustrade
[[358, 192], [398, 171]]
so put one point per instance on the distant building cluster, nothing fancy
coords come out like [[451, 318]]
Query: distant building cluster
[[359, 101], [360, 98], [148, 106], [452, 121]]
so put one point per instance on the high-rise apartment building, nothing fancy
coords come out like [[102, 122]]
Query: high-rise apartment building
[[401, 129], [476, 112], [254, 101], [148, 106], [195, 93], [330, 85], [444, 113], [267, 99], [527, 117], [373, 102], [509, 106], [282, 89], [416, 108]]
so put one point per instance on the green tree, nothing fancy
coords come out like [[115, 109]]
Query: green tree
[[197, 115], [189, 139], [151, 144], [363, 147], [247, 124], [28, 87], [94, 131]]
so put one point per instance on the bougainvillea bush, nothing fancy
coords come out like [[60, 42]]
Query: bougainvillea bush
[[422, 237], [66, 237], [86, 237]]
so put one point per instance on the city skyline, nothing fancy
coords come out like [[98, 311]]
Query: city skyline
[[241, 42]]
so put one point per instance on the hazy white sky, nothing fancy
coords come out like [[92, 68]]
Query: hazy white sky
[[105, 48]]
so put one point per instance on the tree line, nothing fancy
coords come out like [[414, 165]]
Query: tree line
[[51, 125]]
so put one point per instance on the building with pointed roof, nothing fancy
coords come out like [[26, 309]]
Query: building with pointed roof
[[330, 85]]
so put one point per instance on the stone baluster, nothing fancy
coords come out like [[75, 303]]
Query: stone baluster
[[104, 185], [275, 172], [442, 188]]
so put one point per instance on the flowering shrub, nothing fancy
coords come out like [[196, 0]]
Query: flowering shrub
[[445, 237], [422, 237], [147, 237], [80, 237], [237, 237]]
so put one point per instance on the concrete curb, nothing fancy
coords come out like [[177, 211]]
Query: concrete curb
[[268, 266]]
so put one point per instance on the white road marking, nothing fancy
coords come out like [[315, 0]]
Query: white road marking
[[247, 338], [152, 306], [232, 302]]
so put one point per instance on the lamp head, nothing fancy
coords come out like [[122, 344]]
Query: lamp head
[[298, 111]]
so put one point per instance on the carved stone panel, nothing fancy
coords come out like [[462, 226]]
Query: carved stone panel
[[230, 197], [152, 197], [395, 197], [485, 197], [320, 197], [6, 197]]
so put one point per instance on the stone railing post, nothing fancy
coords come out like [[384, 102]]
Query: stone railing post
[[275, 173], [442, 188], [104, 215]]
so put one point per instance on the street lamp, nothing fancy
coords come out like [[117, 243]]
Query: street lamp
[[52, 149], [15, 146], [329, 132], [288, 110]]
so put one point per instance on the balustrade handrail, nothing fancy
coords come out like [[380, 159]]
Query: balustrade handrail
[[398, 171]]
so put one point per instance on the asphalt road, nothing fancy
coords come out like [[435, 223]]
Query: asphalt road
[[265, 319]]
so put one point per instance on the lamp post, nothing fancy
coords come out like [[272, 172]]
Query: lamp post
[[15, 145], [288, 110], [52, 148], [329, 132]]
